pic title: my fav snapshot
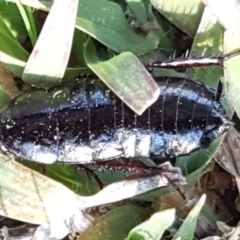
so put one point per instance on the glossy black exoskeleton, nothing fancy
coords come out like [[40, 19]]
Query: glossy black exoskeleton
[[82, 121]]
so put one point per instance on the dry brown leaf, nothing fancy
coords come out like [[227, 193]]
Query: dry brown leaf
[[228, 153]]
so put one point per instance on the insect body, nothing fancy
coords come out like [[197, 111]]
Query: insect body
[[82, 121]]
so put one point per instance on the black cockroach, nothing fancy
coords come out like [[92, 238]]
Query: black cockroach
[[82, 122]]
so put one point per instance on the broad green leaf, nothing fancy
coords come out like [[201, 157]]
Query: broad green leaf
[[185, 14], [105, 21], [126, 77], [155, 227], [207, 42], [117, 223], [187, 229], [79, 40], [71, 73], [139, 10], [53, 46], [232, 71], [75, 179], [28, 19], [80, 181], [9, 45], [86, 186], [13, 19], [15, 61], [152, 23], [12, 64], [28, 196], [13, 56]]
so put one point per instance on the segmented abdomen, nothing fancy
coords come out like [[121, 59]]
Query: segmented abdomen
[[83, 121]]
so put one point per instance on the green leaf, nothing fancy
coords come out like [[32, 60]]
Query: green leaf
[[187, 229], [71, 73], [79, 41], [139, 10], [232, 71], [185, 14], [28, 196], [126, 77], [154, 227], [53, 47], [13, 19], [75, 179], [27, 16], [13, 56], [105, 21], [207, 42], [9, 45], [117, 223], [12, 64]]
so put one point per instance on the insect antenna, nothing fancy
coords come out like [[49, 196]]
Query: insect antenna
[[230, 55], [165, 170], [171, 174]]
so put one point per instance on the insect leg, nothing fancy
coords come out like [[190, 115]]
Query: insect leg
[[90, 173], [191, 62]]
